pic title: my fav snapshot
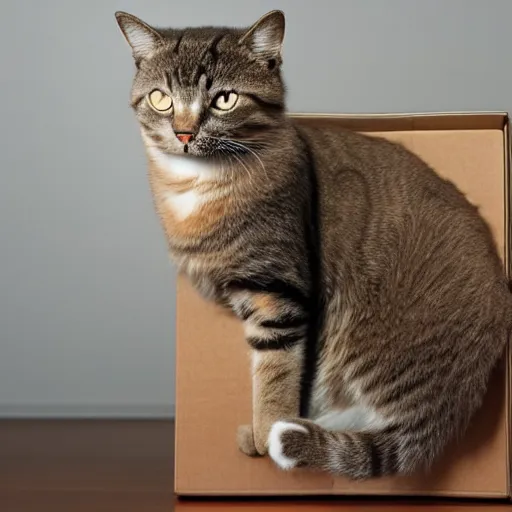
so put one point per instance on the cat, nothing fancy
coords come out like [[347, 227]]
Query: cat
[[299, 230]]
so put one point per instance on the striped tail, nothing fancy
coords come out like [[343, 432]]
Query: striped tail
[[355, 454]]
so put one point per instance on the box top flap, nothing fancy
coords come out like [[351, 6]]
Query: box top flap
[[408, 121]]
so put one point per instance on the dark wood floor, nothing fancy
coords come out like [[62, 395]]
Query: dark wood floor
[[109, 466]]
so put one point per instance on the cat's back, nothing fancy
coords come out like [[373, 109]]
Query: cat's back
[[365, 174], [375, 159], [388, 218]]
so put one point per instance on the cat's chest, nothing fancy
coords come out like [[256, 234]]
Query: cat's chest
[[184, 204], [190, 196], [182, 168]]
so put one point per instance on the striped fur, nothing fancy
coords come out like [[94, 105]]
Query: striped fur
[[365, 282]]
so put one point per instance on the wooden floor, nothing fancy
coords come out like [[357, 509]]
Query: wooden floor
[[100, 466]]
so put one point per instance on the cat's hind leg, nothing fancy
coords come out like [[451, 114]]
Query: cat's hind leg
[[357, 442], [358, 454], [356, 417], [352, 419]]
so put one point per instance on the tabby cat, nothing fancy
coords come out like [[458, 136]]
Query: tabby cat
[[326, 235]]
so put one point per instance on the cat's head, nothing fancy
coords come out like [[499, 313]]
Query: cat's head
[[207, 92]]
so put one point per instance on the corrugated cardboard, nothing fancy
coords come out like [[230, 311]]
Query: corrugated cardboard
[[213, 370]]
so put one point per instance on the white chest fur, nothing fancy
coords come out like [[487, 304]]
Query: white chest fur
[[182, 167], [184, 203]]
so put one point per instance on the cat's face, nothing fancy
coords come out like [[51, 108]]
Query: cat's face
[[207, 92]]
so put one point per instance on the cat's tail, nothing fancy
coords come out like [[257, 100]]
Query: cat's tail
[[355, 454]]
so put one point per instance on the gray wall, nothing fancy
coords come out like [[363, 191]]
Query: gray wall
[[86, 288]]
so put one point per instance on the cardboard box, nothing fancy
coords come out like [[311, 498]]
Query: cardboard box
[[213, 367]]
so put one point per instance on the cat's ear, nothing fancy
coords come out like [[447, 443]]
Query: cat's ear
[[265, 37], [143, 39]]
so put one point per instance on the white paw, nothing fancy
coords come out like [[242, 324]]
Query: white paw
[[275, 445]]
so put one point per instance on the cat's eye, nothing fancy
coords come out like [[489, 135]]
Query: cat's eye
[[160, 101], [225, 101]]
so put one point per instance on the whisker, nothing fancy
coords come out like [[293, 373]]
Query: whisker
[[232, 144], [253, 153], [226, 144], [226, 151]]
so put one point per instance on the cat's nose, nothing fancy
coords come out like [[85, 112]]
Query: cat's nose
[[185, 137]]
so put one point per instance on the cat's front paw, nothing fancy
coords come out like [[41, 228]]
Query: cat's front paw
[[252, 442], [245, 440]]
